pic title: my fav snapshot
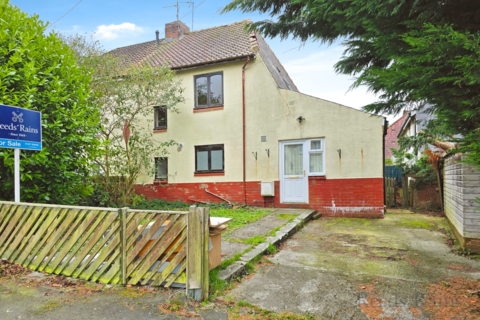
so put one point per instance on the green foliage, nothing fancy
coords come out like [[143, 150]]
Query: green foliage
[[160, 204], [413, 54], [419, 168], [271, 249], [256, 240], [98, 198], [243, 303], [241, 216], [39, 72]]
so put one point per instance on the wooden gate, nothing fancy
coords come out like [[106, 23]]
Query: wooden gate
[[117, 246], [390, 191]]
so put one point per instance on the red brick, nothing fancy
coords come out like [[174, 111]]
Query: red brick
[[346, 193]]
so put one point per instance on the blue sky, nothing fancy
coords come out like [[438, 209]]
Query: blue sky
[[124, 22]]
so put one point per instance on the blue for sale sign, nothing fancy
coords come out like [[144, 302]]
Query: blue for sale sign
[[20, 128]]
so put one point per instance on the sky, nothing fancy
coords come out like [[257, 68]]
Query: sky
[[118, 23]]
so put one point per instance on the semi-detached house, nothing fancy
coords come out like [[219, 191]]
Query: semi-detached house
[[248, 135]]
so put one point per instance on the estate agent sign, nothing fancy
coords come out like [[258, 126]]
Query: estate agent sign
[[20, 129]]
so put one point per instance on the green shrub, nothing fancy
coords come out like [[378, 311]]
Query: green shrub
[[38, 72]]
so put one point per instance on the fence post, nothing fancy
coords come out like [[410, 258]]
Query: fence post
[[206, 252], [198, 253], [123, 244], [406, 197], [194, 254]]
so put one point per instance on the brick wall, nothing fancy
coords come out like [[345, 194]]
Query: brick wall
[[171, 30], [331, 197]]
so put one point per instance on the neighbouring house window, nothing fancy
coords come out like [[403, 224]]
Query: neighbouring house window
[[317, 157], [161, 169], [209, 159], [209, 90], [160, 118]]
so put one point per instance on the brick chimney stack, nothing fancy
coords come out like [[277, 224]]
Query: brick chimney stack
[[175, 30]]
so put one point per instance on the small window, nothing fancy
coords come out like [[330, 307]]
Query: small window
[[209, 159], [209, 90], [160, 118], [161, 169], [316, 158], [316, 145]]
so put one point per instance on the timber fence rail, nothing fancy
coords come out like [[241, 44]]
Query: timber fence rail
[[115, 246]]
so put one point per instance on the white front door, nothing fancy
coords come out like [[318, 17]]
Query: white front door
[[293, 167]]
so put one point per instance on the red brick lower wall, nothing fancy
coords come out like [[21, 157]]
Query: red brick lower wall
[[331, 197]]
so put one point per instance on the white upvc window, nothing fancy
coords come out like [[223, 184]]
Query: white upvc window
[[316, 157]]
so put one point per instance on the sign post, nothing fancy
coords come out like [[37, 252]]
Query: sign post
[[20, 129]]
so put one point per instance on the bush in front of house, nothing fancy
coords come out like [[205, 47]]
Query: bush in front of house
[[39, 72]]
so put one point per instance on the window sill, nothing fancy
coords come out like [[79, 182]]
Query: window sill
[[207, 109], [160, 182], [209, 174], [159, 130], [317, 178]]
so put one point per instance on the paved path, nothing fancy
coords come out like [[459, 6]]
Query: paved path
[[261, 227], [329, 267], [117, 303]]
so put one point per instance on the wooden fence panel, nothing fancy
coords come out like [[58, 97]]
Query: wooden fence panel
[[105, 244], [155, 246], [390, 190]]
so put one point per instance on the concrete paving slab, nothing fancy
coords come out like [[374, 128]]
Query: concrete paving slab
[[232, 271], [231, 248], [319, 270], [260, 249], [263, 225]]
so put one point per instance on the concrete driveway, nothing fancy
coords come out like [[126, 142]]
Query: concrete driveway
[[366, 269]]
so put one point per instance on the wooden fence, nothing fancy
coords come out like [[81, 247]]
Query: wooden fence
[[390, 191], [116, 246], [407, 195]]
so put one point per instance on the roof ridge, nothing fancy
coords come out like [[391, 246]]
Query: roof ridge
[[221, 26], [153, 51], [135, 44]]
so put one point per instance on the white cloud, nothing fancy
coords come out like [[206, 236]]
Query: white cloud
[[115, 31]]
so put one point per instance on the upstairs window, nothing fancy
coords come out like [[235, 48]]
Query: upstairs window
[[209, 90], [160, 118], [209, 159], [161, 169]]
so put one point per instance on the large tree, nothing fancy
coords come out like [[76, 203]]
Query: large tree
[[410, 52], [39, 72]]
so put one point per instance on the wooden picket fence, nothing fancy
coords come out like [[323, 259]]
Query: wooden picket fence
[[115, 246], [390, 191]]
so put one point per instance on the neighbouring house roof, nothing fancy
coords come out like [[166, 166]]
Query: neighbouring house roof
[[391, 140], [203, 47]]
